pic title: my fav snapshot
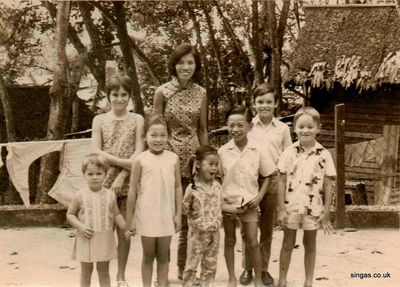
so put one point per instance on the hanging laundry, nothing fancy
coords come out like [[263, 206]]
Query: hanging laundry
[[354, 153], [71, 178], [19, 158], [374, 151]]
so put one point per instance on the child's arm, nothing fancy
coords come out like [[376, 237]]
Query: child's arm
[[255, 202], [96, 144], [282, 214], [136, 171], [120, 221], [325, 216], [178, 197], [73, 209], [187, 201]]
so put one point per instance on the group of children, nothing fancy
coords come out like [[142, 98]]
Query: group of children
[[258, 163]]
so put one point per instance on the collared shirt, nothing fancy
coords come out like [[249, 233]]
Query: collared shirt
[[203, 206], [241, 169], [305, 173], [274, 138]]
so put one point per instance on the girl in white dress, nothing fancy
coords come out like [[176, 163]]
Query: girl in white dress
[[155, 200], [94, 213]]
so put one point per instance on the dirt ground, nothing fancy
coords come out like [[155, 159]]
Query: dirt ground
[[41, 257]]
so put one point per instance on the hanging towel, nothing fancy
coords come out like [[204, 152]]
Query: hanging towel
[[71, 178], [354, 153], [19, 158], [374, 151]]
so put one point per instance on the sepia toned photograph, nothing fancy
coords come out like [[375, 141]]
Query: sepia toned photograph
[[165, 143]]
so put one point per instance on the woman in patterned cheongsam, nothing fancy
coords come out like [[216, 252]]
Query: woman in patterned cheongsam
[[184, 106]]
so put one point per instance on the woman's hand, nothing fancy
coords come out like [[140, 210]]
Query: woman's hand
[[86, 232], [325, 223], [177, 223], [119, 182], [282, 218]]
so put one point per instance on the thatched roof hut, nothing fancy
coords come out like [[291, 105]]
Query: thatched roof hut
[[349, 44], [351, 54]]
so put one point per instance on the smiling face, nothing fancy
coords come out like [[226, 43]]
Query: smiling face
[[156, 138], [94, 176], [119, 99], [265, 106], [306, 129], [207, 167], [185, 68], [238, 127]]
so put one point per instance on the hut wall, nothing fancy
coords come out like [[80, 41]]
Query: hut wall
[[365, 119]]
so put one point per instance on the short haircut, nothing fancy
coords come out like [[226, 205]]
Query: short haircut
[[155, 120], [313, 113], [117, 82], [96, 159], [178, 53], [240, 110], [263, 89]]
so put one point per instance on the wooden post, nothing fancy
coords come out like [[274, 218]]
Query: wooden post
[[339, 158]]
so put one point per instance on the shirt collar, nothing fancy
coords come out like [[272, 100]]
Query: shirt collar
[[257, 121], [251, 144], [198, 184], [177, 86], [315, 149]]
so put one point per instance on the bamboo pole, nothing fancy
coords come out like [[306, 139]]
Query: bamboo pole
[[340, 166]]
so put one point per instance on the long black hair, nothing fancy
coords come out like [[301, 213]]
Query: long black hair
[[201, 152]]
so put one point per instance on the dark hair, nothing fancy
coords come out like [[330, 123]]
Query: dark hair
[[155, 120], [178, 53], [117, 82], [240, 110], [313, 113], [263, 89], [200, 154], [96, 159]]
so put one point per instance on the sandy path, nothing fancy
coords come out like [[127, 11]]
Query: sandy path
[[40, 257]]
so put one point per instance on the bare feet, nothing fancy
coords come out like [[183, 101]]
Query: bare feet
[[232, 282]]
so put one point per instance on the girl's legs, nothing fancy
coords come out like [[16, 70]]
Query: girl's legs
[[250, 230], [309, 242], [149, 253], [230, 241], [104, 273], [123, 245], [289, 239], [86, 274], [162, 255]]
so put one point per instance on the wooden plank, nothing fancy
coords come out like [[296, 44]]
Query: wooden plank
[[349, 134], [340, 180]]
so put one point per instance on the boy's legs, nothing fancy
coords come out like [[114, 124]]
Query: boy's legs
[[247, 276], [289, 239], [268, 208], [229, 222], [149, 253], [123, 245], [210, 258], [104, 273], [162, 255], [250, 229], [86, 274], [194, 252], [309, 242]]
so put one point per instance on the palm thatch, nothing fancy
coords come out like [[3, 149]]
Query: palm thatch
[[356, 46]]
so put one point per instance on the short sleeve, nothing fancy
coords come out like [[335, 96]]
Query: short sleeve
[[267, 166], [330, 165], [187, 198], [287, 139], [282, 163]]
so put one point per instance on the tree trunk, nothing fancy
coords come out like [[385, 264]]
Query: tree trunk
[[129, 61], [9, 120], [217, 54], [59, 103], [256, 45]]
